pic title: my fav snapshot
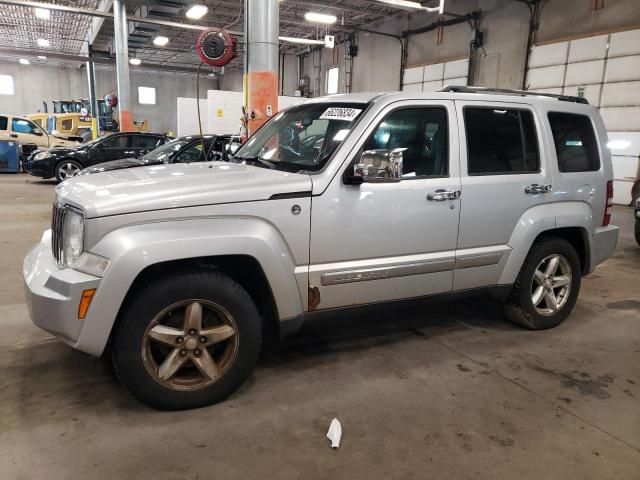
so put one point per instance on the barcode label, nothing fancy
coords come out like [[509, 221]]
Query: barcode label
[[340, 113]]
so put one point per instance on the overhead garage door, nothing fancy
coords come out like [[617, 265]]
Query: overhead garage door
[[605, 69], [429, 78]]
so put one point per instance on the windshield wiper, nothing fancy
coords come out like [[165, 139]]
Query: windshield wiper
[[256, 161]]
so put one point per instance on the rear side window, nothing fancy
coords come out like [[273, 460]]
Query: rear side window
[[145, 141], [3, 123], [119, 141], [501, 141], [575, 141]]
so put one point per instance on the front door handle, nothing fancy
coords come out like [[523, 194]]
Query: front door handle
[[441, 195], [537, 188], [13, 135]]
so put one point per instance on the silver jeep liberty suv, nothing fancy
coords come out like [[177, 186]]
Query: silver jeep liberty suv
[[340, 201]]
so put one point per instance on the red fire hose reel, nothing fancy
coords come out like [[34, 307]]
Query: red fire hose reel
[[216, 47]]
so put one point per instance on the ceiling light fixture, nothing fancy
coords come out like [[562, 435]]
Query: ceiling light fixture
[[302, 41], [43, 42], [42, 13], [24, 61], [160, 41], [324, 18], [135, 61], [196, 12], [408, 5]]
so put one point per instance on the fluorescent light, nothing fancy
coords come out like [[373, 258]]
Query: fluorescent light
[[42, 57], [135, 61], [43, 13], [196, 12], [618, 144], [43, 42], [24, 61], [323, 18], [408, 5], [160, 41], [302, 41]]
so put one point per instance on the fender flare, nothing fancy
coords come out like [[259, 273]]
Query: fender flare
[[540, 219], [135, 248]]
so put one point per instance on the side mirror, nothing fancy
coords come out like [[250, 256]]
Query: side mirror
[[38, 133], [378, 166], [234, 147]]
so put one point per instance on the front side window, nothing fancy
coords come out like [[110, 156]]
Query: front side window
[[500, 141], [422, 133], [4, 123], [119, 141], [575, 142], [145, 141], [301, 138], [20, 125]]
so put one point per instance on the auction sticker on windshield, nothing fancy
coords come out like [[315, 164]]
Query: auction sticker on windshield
[[340, 113]]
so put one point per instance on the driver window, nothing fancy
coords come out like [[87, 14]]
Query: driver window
[[191, 154], [423, 133]]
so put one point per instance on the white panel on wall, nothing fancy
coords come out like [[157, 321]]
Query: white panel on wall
[[412, 87], [621, 69], [546, 77], [625, 144], [623, 94], [590, 92], [591, 48], [624, 43], [224, 110], [457, 69], [460, 81], [584, 73], [622, 192], [432, 86], [547, 55], [623, 119], [187, 116], [413, 75], [433, 72], [625, 155]]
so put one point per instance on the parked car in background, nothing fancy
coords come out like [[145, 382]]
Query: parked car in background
[[188, 149], [63, 163], [30, 136]]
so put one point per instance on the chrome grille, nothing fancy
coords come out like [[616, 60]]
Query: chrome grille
[[57, 220]]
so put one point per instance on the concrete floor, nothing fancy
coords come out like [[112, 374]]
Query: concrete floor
[[434, 390]]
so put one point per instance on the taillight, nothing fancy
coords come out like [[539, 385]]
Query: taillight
[[609, 204]]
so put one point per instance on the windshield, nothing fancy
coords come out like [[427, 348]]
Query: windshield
[[164, 152], [301, 138]]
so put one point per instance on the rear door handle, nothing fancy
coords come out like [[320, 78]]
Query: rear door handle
[[441, 195], [537, 188]]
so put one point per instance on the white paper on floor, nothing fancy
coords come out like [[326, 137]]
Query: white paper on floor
[[334, 433]]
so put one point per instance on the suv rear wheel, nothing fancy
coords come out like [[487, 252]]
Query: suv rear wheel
[[187, 340], [547, 287]]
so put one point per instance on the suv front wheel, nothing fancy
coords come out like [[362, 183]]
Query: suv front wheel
[[547, 287], [187, 340]]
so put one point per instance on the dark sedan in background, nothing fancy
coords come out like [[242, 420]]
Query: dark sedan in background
[[188, 149], [63, 163]]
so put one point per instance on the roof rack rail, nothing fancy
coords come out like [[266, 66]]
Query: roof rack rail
[[503, 91]]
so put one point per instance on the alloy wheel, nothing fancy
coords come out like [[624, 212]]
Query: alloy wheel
[[551, 284], [190, 345], [68, 170]]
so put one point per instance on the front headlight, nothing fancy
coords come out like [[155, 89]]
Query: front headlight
[[72, 236], [42, 156]]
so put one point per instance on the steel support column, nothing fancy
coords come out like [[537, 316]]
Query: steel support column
[[122, 65], [93, 100], [261, 61]]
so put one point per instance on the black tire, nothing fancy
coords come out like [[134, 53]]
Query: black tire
[[519, 307], [637, 231], [128, 339], [63, 166]]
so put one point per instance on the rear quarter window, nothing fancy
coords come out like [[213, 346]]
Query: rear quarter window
[[575, 142]]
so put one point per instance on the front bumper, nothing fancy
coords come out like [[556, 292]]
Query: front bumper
[[41, 168], [53, 294], [603, 244]]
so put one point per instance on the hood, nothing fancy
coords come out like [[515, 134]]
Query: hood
[[69, 150], [176, 185], [117, 165]]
